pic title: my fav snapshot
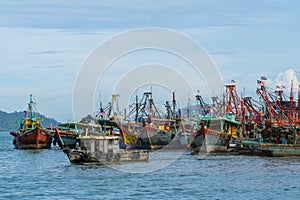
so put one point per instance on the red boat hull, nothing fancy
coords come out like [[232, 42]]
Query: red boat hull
[[37, 138]]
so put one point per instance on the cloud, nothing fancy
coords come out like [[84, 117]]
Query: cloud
[[285, 79], [46, 52]]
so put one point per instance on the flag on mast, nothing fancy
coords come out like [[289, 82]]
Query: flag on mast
[[259, 82], [263, 78]]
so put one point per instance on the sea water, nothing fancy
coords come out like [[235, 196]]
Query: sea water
[[48, 174]]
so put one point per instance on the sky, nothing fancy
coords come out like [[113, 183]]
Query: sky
[[45, 43]]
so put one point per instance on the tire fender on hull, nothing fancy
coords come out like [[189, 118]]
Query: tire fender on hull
[[109, 156], [117, 157], [84, 157], [135, 156]]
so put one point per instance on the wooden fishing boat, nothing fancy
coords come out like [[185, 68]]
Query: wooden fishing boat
[[283, 144], [277, 132], [214, 134], [31, 134], [103, 150], [102, 147], [159, 134], [154, 138]]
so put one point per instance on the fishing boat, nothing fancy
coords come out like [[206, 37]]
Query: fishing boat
[[271, 129], [160, 133], [155, 137], [130, 135], [31, 134], [281, 132], [282, 142], [214, 134], [98, 144], [152, 129]]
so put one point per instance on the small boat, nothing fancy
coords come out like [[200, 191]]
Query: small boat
[[103, 150], [66, 135], [98, 144], [31, 134]]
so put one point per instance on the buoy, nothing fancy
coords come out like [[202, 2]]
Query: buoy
[[251, 148], [98, 154], [109, 156], [85, 157], [117, 157], [135, 156]]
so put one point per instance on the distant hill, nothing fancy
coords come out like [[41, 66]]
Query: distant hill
[[8, 120]]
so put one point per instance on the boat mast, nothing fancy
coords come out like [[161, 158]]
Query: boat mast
[[174, 105], [188, 107], [232, 100], [291, 101], [217, 107], [150, 106], [204, 109], [111, 104], [168, 109], [243, 119], [298, 115], [30, 107], [136, 108]]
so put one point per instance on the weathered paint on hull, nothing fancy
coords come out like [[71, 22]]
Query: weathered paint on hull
[[249, 147], [79, 156], [211, 149], [37, 138], [147, 137], [69, 140], [151, 138], [181, 141], [212, 143], [281, 150]]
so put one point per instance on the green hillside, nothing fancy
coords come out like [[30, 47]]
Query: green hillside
[[8, 120]]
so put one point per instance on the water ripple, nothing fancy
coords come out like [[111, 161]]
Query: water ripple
[[47, 174]]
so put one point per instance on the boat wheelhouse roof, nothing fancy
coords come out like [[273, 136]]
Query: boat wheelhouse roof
[[74, 125], [108, 122], [78, 125], [225, 119]]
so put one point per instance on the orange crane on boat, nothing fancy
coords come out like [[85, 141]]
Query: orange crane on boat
[[274, 110], [232, 101]]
